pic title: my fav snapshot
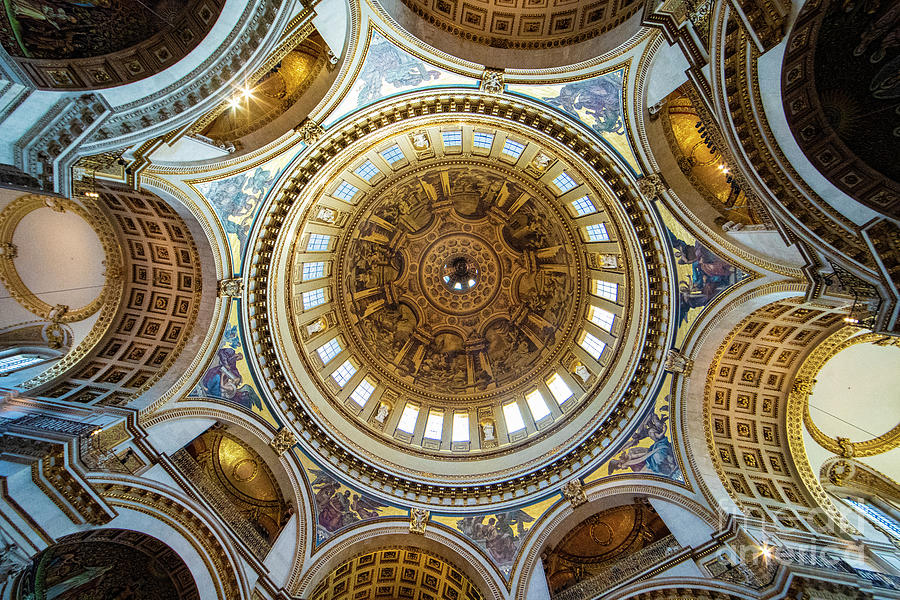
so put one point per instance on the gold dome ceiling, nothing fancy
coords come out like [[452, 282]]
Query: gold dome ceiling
[[440, 292], [448, 290]]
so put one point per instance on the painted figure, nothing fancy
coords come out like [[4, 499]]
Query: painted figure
[[224, 381], [337, 507]]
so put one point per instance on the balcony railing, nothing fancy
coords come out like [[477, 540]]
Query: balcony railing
[[621, 571], [192, 470]]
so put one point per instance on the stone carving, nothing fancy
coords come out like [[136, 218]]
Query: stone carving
[[492, 82], [541, 162], [309, 131], [803, 386], [574, 493], [846, 446], [487, 431], [604, 261], [58, 312], [54, 335], [283, 441], [651, 186], [316, 326], [326, 215], [582, 372], [231, 288], [420, 141], [418, 520], [8, 250], [676, 362], [382, 414]]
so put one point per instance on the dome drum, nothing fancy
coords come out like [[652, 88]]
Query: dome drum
[[372, 344]]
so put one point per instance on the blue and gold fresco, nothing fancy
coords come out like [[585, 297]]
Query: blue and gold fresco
[[701, 274], [338, 506], [236, 200], [389, 70], [499, 534], [597, 102], [649, 449], [228, 377]]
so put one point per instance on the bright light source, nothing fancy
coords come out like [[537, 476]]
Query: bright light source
[[233, 103], [247, 92], [767, 551]]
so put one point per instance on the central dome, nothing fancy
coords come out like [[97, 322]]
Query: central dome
[[447, 290], [458, 282]]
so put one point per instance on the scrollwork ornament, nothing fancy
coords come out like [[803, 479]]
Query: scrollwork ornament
[[8, 250], [803, 386], [283, 441], [418, 520], [231, 288], [573, 491], [492, 82], [676, 362], [651, 186], [839, 472], [310, 131]]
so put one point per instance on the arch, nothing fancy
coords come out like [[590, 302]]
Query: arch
[[135, 342], [500, 40], [562, 518], [701, 346], [171, 429], [146, 505], [106, 562], [239, 483], [400, 570], [60, 49], [747, 417], [395, 533]]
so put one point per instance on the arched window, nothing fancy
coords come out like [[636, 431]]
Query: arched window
[[17, 359], [871, 511]]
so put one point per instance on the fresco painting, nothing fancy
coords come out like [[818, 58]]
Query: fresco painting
[[597, 102], [228, 376], [701, 274], [110, 564], [650, 448], [499, 534], [337, 505], [59, 29], [236, 199], [388, 70]]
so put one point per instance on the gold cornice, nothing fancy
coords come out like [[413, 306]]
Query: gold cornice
[[831, 347], [10, 218], [522, 115]]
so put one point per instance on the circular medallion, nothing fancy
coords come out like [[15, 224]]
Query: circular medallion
[[460, 274]]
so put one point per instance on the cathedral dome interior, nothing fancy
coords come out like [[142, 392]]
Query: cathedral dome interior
[[443, 300]]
